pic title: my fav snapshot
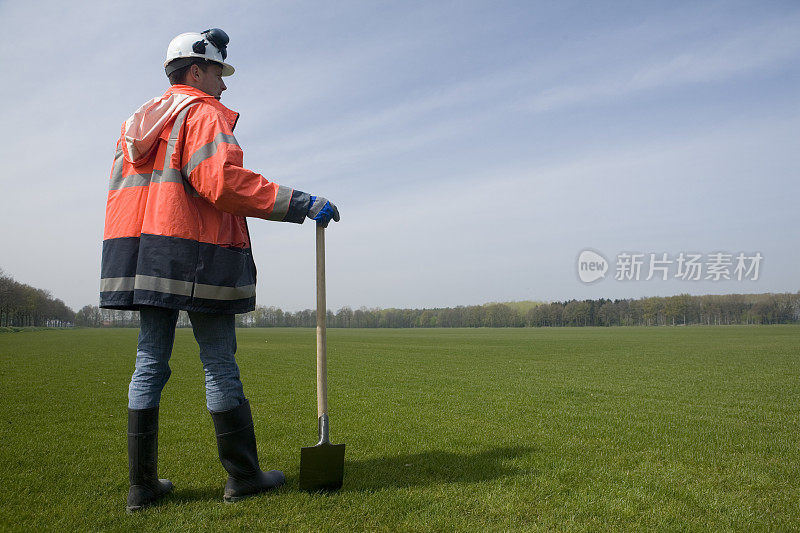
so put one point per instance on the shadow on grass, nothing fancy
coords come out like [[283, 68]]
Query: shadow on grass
[[197, 494], [432, 468], [408, 470], [213, 494]]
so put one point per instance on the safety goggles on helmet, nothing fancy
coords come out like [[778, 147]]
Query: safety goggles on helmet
[[215, 36]]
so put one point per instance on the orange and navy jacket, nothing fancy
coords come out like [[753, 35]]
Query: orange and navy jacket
[[175, 232]]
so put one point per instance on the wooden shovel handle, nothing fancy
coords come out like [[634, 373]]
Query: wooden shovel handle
[[322, 345]]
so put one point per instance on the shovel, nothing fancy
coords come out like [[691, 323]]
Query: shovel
[[322, 465]]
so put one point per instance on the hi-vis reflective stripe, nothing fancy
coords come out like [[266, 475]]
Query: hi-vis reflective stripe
[[158, 176], [282, 199], [147, 283], [215, 292], [118, 182], [176, 286], [169, 174], [171, 286], [117, 284], [206, 151]]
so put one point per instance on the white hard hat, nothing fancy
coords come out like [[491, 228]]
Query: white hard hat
[[210, 44]]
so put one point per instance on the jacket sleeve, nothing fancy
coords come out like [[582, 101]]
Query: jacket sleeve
[[212, 163]]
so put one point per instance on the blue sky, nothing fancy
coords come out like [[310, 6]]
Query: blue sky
[[474, 148]]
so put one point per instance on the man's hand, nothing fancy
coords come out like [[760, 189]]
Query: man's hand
[[322, 211]]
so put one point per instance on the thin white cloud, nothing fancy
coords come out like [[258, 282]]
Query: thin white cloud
[[762, 47]]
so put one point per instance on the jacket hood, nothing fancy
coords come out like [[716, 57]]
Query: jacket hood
[[141, 131]]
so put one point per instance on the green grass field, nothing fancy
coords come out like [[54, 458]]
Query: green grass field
[[488, 429]]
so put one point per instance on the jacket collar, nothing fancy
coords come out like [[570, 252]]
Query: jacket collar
[[230, 116]]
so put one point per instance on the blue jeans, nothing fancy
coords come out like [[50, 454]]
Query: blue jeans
[[216, 336]]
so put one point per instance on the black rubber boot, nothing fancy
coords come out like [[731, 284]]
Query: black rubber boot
[[236, 442], [146, 488]]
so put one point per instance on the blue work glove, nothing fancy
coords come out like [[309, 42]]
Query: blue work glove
[[322, 211]]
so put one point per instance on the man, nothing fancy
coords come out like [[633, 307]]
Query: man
[[176, 238]]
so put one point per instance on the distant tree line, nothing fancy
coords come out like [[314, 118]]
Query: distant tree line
[[22, 305], [670, 311], [93, 317], [652, 311]]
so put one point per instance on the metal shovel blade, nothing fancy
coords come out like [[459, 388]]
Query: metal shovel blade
[[322, 466]]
